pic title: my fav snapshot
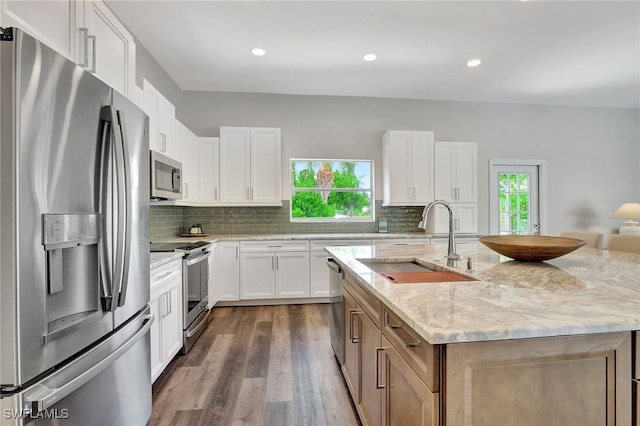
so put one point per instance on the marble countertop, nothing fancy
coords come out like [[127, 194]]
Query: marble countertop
[[160, 258], [587, 291], [285, 237]]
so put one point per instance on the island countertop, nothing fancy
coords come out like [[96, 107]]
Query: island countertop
[[585, 292]]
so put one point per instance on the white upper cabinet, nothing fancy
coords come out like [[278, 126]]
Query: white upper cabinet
[[162, 122], [250, 166], [456, 181], [456, 171], [52, 22], [106, 47], [208, 167], [407, 167], [85, 31]]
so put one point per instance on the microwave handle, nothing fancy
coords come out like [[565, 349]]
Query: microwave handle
[[175, 180]]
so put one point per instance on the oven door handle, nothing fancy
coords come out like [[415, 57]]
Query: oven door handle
[[201, 323], [200, 258]]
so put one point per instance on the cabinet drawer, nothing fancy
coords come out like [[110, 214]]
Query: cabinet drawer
[[165, 273], [422, 356], [317, 245], [401, 242], [276, 245], [370, 304]]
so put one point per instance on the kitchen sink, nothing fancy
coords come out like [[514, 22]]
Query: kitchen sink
[[411, 271], [385, 265]]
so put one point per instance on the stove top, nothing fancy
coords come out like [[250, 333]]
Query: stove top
[[188, 248]]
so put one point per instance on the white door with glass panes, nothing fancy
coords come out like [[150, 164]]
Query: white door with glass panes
[[514, 199]]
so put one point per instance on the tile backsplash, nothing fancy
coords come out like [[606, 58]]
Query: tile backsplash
[[169, 221]]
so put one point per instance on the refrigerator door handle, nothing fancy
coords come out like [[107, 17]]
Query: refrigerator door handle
[[105, 251], [43, 397], [125, 243]]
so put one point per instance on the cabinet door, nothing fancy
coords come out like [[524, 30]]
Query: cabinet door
[[208, 170], [111, 50], [265, 166], [257, 276], [158, 308], [213, 277], [370, 392], [318, 275], [52, 22], [422, 166], [292, 274], [228, 270], [406, 399], [235, 152], [166, 125], [190, 166], [445, 171], [172, 323], [351, 367], [398, 184], [467, 218], [467, 172]]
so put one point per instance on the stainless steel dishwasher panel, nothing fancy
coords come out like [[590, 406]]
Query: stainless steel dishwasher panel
[[337, 312]]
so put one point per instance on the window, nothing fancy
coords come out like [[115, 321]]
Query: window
[[332, 190]]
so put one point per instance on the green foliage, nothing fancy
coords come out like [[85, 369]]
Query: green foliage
[[312, 205]]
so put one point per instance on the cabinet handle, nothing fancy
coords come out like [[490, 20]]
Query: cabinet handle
[[414, 193], [457, 192], [186, 190], [85, 59], [237, 250], [248, 193], [272, 263], [93, 53], [252, 193], [352, 312], [277, 263], [165, 309], [398, 330], [170, 303], [377, 373], [163, 136], [215, 196]]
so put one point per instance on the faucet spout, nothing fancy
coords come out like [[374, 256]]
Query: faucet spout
[[452, 256]]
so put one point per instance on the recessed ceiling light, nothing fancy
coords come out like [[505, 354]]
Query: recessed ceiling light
[[369, 57], [258, 52], [474, 63]]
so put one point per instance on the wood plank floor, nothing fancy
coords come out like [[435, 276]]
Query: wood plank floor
[[259, 365]]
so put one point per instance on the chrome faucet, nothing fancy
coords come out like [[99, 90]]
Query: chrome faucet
[[451, 256]]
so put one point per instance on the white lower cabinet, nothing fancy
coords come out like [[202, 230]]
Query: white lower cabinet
[[166, 307], [228, 270], [274, 269], [213, 277]]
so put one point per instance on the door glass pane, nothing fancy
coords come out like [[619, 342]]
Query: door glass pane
[[514, 198]]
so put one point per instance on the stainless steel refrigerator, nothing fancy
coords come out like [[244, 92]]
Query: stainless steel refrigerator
[[74, 244]]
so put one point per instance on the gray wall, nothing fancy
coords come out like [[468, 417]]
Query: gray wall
[[147, 67], [592, 154]]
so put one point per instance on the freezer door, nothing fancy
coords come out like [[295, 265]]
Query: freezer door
[[133, 124], [52, 295], [109, 385]]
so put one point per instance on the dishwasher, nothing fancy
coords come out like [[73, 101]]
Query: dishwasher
[[337, 312]]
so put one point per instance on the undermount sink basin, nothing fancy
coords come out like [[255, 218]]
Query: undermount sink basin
[[380, 266], [411, 272]]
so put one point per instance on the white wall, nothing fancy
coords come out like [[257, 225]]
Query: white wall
[[592, 154]]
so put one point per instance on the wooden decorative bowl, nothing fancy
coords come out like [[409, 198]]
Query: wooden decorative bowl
[[531, 248]]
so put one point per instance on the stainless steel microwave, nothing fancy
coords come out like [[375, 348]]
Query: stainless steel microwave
[[166, 177]]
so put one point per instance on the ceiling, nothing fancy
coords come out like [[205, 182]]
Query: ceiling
[[534, 52]]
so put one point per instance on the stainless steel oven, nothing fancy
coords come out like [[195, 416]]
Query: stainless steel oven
[[195, 286]]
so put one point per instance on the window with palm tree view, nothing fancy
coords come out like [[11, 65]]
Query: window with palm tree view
[[331, 190]]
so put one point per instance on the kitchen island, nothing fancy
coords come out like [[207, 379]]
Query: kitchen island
[[524, 343]]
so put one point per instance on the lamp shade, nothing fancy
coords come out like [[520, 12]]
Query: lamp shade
[[627, 211]]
